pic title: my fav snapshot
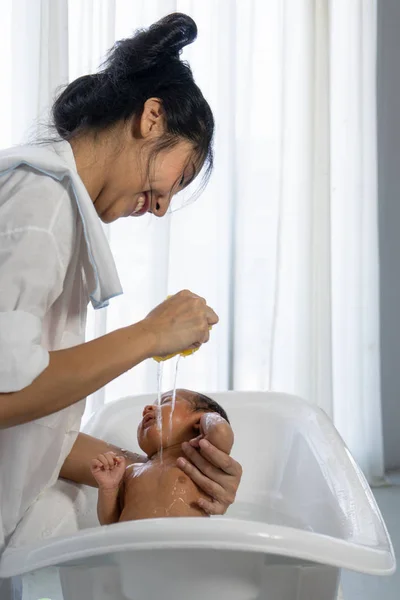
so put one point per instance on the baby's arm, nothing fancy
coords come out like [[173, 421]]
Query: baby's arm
[[108, 510], [108, 470]]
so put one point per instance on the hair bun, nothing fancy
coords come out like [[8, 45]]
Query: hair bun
[[152, 47], [172, 33]]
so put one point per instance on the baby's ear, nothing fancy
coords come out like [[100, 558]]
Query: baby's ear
[[197, 424]]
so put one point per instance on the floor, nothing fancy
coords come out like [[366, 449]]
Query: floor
[[364, 587]]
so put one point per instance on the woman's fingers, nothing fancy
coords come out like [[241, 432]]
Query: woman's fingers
[[206, 468], [212, 316], [193, 295], [206, 337], [220, 459], [209, 487], [210, 507], [195, 441], [215, 472]]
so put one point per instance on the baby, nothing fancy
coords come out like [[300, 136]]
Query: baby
[[158, 488]]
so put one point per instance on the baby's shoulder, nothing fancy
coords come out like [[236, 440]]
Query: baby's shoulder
[[136, 469], [136, 472], [164, 474]]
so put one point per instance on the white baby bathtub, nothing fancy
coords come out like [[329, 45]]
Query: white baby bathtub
[[303, 511]]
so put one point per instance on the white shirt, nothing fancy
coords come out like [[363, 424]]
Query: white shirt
[[54, 256]]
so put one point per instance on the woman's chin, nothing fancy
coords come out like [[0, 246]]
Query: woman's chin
[[108, 217]]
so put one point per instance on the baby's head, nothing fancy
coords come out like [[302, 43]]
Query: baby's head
[[184, 424]]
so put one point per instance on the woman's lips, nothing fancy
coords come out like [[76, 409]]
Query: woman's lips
[[143, 205]]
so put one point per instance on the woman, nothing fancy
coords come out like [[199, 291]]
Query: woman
[[131, 137]]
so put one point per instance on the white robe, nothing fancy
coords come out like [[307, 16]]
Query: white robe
[[54, 256]]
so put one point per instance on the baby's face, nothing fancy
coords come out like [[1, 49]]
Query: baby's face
[[177, 427]]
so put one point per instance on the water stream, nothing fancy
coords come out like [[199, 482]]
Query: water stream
[[159, 413], [173, 396], [159, 395]]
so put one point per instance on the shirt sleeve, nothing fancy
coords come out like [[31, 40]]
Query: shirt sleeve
[[29, 283], [32, 272]]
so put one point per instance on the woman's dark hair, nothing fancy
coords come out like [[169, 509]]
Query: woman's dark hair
[[205, 404], [144, 66]]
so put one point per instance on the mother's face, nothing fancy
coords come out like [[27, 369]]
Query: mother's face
[[140, 180]]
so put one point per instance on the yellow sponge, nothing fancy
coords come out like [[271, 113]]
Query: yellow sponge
[[184, 353]]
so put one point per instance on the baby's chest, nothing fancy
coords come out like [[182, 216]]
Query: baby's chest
[[157, 485], [142, 480]]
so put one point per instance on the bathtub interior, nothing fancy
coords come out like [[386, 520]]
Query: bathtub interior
[[296, 470]]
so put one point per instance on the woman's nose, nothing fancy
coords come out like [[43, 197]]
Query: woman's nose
[[161, 206]]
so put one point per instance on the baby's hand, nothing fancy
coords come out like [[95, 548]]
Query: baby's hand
[[108, 470]]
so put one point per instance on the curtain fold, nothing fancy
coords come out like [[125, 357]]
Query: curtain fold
[[355, 266], [283, 242], [34, 63]]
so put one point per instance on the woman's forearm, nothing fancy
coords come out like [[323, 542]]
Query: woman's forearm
[[77, 464], [75, 373]]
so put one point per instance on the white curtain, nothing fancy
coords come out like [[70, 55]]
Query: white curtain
[[283, 242]]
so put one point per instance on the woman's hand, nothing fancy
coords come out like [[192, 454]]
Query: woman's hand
[[214, 471], [180, 323]]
